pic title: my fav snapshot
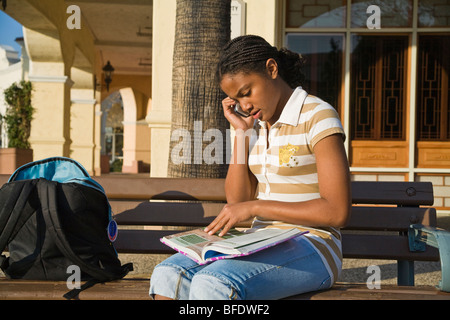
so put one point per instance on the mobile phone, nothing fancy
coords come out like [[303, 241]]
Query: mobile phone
[[239, 111]]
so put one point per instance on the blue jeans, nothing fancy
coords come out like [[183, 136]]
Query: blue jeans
[[292, 267]]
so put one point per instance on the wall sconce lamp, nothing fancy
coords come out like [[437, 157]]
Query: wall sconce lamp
[[108, 70]]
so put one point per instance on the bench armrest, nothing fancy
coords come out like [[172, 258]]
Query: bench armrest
[[420, 235]]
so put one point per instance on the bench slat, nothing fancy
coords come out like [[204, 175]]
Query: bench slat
[[171, 214], [137, 289], [363, 192], [142, 241], [389, 218], [126, 289], [201, 214], [384, 247], [397, 193], [125, 187], [347, 291]]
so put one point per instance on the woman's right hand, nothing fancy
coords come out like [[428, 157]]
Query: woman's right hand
[[235, 120]]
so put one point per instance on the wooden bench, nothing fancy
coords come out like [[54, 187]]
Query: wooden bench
[[386, 223]]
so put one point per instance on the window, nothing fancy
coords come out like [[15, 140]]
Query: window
[[323, 69], [378, 87], [393, 14], [316, 14], [380, 79], [434, 13], [433, 88]]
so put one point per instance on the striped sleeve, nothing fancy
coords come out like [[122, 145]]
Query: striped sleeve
[[321, 120]]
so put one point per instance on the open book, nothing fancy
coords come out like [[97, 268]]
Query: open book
[[203, 248]]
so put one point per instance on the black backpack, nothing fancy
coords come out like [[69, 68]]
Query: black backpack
[[54, 216]]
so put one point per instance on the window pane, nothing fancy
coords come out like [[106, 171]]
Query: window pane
[[434, 13], [363, 88], [315, 13], [433, 88], [393, 88], [323, 69], [378, 87], [392, 13]]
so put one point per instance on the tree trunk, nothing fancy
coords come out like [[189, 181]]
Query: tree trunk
[[199, 128]]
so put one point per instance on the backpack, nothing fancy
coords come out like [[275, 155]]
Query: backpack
[[53, 216]]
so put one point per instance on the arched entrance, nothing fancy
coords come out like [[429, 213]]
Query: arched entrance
[[125, 135]]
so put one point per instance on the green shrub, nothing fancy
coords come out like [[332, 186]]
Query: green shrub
[[18, 114]]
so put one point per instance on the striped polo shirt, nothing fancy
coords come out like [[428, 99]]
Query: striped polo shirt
[[285, 166]]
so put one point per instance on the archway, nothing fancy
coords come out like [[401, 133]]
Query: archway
[[125, 135], [136, 143]]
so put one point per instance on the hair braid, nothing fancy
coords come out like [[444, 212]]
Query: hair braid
[[250, 53]]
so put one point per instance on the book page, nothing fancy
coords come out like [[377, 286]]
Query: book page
[[272, 241], [196, 239], [253, 244], [250, 238]]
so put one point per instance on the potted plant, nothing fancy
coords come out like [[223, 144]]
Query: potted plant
[[17, 118]]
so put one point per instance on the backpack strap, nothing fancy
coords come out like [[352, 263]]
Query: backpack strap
[[48, 197], [13, 214]]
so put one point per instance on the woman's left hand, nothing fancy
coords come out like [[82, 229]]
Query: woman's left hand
[[230, 215]]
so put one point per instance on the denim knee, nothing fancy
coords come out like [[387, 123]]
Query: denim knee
[[169, 281], [206, 286]]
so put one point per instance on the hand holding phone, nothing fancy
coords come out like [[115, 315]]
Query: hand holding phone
[[239, 111], [237, 117]]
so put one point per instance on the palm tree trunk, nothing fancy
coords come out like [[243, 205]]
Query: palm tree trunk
[[202, 29]]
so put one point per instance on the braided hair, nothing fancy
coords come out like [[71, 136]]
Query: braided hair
[[250, 53]]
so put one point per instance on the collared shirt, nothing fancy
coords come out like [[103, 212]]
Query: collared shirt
[[284, 163]]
